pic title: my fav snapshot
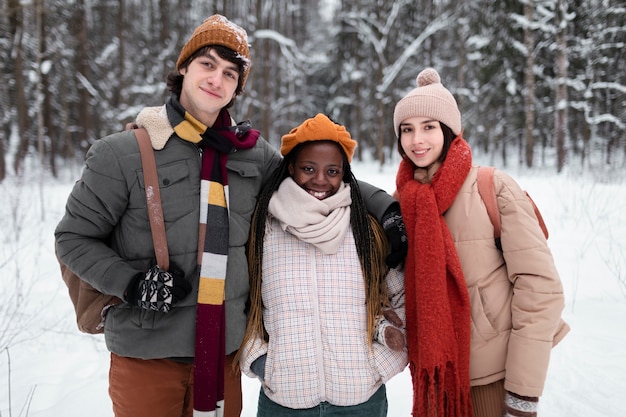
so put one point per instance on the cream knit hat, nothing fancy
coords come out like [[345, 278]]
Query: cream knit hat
[[218, 30], [429, 99]]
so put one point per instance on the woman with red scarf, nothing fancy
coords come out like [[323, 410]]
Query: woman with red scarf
[[481, 321]]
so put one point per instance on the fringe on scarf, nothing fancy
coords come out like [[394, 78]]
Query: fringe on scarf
[[438, 392]]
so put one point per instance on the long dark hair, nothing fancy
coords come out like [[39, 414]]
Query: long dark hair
[[369, 237]]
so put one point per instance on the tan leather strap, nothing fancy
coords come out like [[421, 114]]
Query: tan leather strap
[[488, 194], [542, 223], [153, 198]]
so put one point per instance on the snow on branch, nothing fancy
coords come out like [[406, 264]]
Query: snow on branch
[[392, 72]]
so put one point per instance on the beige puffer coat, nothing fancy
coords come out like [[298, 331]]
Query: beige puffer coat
[[515, 294]]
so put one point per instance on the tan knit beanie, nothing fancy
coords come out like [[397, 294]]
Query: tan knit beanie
[[218, 30], [429, 99], [318, 128]]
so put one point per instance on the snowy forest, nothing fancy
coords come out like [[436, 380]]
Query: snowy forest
[[540, 83]]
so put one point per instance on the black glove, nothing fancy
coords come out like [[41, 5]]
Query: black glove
[[396, 235], [157, 289], [258, 367]]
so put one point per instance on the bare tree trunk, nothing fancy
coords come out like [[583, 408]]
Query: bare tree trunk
[[85, 121], [3, 168], [529, 83], [50, 132], [382, 136], [560, 123], [16, 24], [162, 21], [39, 101], [116, 93], [165, 20], [356, 118], [39, 84], [5, 129]]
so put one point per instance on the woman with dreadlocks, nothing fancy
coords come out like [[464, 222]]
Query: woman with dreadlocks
[[316, 335]]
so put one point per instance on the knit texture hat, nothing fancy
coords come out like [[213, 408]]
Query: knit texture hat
[[318, 128], [429, 99], [218, 30]]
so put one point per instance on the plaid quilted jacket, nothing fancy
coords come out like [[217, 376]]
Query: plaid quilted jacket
[[314, 313]]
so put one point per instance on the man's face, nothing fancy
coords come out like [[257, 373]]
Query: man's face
[[209, 84]]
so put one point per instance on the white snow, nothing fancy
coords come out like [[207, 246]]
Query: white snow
[[48, 368]]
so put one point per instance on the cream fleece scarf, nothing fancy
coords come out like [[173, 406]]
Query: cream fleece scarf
[[322, 223]]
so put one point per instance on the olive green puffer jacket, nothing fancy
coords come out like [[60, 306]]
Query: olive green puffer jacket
[[105, 235]]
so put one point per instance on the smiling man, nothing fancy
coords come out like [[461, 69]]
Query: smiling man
[[156, 340]]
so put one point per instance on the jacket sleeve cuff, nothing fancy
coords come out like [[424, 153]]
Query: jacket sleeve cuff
[[253, 350]]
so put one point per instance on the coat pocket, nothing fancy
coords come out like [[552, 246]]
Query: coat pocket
[[481, 325]]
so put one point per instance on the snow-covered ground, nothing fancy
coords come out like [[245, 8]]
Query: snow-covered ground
[[48, 368]]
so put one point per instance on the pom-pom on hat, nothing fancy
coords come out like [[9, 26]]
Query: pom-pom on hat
[[429, 99], [318, 128], [218, 30]]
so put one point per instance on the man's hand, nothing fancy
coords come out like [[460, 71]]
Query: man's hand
[[157, 289], [393, 224]]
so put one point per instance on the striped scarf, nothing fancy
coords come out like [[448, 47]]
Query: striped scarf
[[437, 300], [216, 142]]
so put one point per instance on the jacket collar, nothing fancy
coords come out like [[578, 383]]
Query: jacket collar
[[155, 120]]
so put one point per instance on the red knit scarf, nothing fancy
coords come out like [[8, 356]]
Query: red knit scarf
[[437, 300]]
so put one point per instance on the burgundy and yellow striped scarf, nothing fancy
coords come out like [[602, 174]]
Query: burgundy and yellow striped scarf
[[216, 142]]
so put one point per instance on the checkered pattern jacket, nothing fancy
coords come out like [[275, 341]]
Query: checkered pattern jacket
[[314, 313]]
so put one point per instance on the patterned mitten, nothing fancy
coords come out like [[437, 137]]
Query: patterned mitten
[[157, 289], [520, 406]]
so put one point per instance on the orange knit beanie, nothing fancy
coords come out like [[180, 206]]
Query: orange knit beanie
[[318, 128], [429, 99], [218, 30]]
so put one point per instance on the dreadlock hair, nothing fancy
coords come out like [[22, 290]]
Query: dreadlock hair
[[369, 237]]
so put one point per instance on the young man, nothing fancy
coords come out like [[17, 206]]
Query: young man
[[173, 339]]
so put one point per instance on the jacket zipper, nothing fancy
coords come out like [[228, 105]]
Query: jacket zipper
[[319, 347]]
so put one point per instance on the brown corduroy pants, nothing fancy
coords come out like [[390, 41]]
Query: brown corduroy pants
[[488, 400], [164, 388]]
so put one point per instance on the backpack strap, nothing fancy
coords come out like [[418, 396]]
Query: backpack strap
[[542, 224], [488, 194], [153, 198]]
